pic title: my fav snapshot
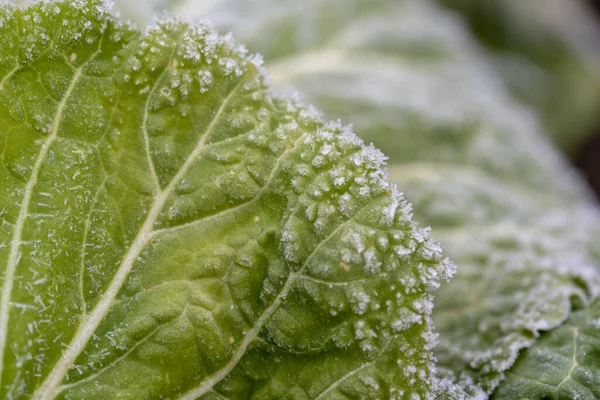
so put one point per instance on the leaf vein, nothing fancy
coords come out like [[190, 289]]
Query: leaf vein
[[50, 386], [155, 179], [258, 195], [16, 242], [208, 384]]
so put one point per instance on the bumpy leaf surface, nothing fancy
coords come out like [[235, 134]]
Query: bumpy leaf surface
[[475, 163], [563, 365], [547, 56], [171, 229]]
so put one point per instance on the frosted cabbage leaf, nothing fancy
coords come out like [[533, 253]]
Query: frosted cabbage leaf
[[169, 228], [548, 56], [475, 162], [564, 364]]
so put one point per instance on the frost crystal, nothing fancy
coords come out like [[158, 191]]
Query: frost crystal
[[155, 190]]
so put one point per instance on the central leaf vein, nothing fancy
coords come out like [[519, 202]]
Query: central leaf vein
[[51, 385], [16, 242]]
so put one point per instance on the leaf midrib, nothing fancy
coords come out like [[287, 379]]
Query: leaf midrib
[[158, 232], [50, 387], [15, 245]]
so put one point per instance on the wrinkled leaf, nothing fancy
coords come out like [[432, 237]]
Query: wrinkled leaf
[[563, 365], [474, 161], [547, 56], [171, 229]]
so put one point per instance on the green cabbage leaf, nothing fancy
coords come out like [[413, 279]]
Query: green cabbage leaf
[[175, 229], [171, 228], [472, 158]]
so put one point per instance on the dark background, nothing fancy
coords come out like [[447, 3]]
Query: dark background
[[587, 157]]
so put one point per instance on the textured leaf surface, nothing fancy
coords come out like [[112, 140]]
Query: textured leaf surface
[[548, 56], [170, 229], [563, 365], [474, 162]]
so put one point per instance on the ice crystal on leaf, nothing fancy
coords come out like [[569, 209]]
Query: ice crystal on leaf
[[171, 228], [473, 160]]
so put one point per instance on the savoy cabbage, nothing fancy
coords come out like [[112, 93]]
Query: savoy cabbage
[[172, 227]]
